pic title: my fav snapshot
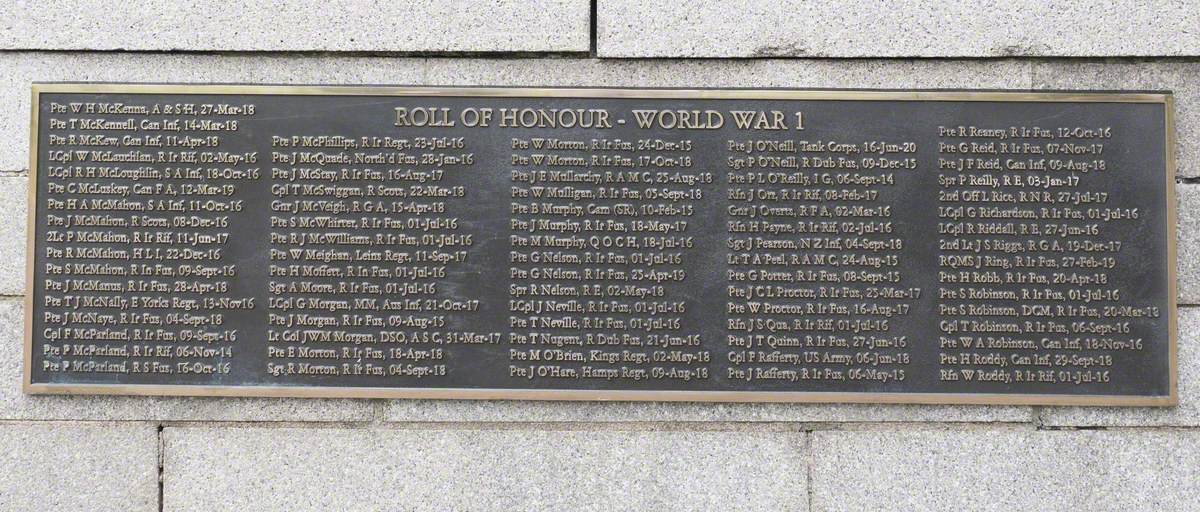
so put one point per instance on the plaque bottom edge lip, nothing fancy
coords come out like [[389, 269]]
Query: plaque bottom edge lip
[[799, 397]]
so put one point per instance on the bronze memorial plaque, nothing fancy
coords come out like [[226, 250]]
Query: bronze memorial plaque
[[613, 244]]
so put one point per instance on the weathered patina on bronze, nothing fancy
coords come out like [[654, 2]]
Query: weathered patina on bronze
[[628, 244]]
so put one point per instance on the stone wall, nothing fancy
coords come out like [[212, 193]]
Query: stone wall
[[144, 454]]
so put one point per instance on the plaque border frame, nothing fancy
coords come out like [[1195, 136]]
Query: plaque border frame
[[1164, 98]]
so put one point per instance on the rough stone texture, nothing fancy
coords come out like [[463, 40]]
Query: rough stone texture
[[69, 467], [298, 25], [1002, 470], [14, 404], [1187, 414], [19, 69], [916, 28], [14, 199], [505, 411], [366, 469], [1180, 76], [1187, 247]]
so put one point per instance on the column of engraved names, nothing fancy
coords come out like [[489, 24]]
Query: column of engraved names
[[601, 234], [140, 201], [814, 279], [1028, 250], [365, 233]]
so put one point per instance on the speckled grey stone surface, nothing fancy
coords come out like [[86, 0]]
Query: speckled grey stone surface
[[367, 469], [1180, 76], [19, 69], [298, 25], [1187, 247], [78, 467], [914, 28], [1004, 470], [1186, 414], [505, 411], [14, 404], [14, 199]]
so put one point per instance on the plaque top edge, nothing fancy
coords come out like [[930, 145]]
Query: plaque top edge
[[1005, 95]]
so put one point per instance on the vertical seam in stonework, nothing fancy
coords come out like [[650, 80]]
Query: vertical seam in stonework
[[378, 411], [808, 467], [592, 22], [161, 459]]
